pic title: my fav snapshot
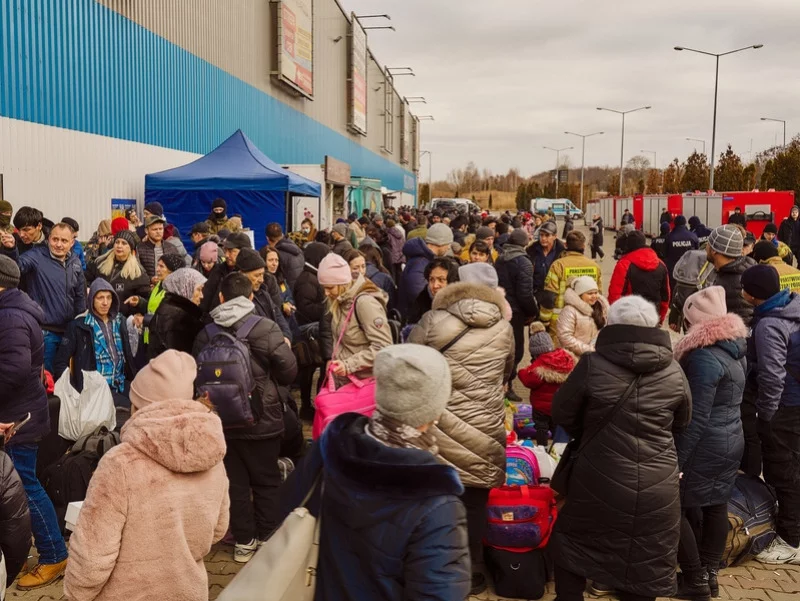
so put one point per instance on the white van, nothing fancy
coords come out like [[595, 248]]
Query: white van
[[560, 207], [462, 205]]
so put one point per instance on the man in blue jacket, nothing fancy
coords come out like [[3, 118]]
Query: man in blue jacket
[[679, 241], [418, 254], [55, 281], [773, 357], [544, 252], [698, 229]]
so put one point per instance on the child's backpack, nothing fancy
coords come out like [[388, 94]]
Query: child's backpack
[[224, 372], [522, 466], [524, 424], [751, 519], [520, 518]]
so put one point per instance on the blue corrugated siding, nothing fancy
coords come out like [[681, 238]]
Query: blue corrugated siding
[[81, 66]]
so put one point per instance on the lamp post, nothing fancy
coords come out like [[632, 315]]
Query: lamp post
[[622, 144], [703, 142], [716, 93], [558, 152], [778, 121], [583, 156], [430, 172]]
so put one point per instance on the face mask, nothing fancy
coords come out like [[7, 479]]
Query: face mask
[[306, 230]]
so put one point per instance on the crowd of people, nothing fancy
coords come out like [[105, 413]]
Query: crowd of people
[[202, 342]]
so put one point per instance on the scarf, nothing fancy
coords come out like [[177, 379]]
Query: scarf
[[113, 371], [396, 434]]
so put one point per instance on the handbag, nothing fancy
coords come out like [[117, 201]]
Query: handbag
[[358, 396], [285, 567], [307, 347], [569, 458]]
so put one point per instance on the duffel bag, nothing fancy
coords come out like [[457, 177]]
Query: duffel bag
[[751, 519], [518, 575], [520, 518]]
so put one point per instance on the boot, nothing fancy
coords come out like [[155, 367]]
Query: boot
[[694, 586], [478, 584], [598, 589], [713, 582], [42, 575]]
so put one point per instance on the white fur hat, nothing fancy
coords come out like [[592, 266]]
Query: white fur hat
[[633, 311]]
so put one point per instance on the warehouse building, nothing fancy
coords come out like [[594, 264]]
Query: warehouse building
[[98, 93]]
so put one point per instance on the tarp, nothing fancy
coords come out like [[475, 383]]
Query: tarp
[[253, 185]]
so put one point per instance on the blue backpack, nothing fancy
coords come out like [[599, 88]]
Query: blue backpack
[[225, 373]]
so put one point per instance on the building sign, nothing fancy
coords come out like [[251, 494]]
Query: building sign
[[337, 172], [120, 206], [357, 77], [296, 45]]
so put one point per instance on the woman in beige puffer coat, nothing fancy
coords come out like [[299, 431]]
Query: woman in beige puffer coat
[[471, 433], [584, 314]]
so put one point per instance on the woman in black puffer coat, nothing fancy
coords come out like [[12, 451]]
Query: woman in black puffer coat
[[620, 523], [710, 450], [15, 520]]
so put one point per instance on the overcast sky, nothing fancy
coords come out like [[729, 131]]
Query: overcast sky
[[505, 78]]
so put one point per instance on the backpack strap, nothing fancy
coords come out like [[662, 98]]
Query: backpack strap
[[344, 329], [244, 330]]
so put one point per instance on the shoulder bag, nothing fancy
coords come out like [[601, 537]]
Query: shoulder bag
[[563, 472]]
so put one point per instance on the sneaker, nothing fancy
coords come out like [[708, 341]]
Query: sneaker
[[779, 551], [244, 553], [597, 589], [42, 575]]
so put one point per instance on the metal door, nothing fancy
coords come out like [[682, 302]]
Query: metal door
[[714, 212], [621, 205]]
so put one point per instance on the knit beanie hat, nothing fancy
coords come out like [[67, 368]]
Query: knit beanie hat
[[439, 234], [770, 228], [635, 240], [9, 273], [340, 228], [484, 232], [680, 220], [104, 228], [519, 237], [694, 221], [155, 208], [120, 224], [219, 203], [665, 228], [334, 271], [727, 240], [633, 311], [764, 250], [761, 281], [128, 236], [584, 284], [478, 273], [170, 376], [209, 252], [183, 282], [540, 341], [249, 260], [6, 207], [172, 261], [412, 383], [704, 305]]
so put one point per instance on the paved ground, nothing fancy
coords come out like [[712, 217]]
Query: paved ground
[[749, 581]]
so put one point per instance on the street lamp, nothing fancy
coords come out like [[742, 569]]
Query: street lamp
[[716, 90], [778, 121], [698, 140], [622, 145], [430, 172], [583, 156], [558, 152]]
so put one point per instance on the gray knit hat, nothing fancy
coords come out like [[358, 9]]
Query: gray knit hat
[[439, 234], [412, 383], [340, 228], [9, 273], [727, 240], [478, 273], [540, 341]]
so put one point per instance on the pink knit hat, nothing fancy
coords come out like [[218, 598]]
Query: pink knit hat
[[209, 252], [334, 271], [704, 305], [170, 376]]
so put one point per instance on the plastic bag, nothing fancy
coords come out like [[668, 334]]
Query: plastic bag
[[82, 413]]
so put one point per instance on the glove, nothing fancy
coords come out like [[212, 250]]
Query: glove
[[764, 429]]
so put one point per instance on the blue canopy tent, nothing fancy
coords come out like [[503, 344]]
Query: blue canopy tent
[[253, 185]]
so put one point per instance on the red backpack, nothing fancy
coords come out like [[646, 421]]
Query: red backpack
[[520, 518]]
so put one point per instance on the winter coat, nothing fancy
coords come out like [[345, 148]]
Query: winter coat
[[568, 227], [367, 332], [124, 288], [292, 260], [545, 376], [77, 350], [412, 282], [146, 252], [215, 225], [542, 262], [641, 272], [213, 286], [175, 325], [155, 505], [702, 233], [357, 232], [272, 364], [659, 246], [471, 432], [309, 296], [571, 264], [268, 302], [576, 328], [58, 288], [383, 281], [515, 275], [679, 241], [596, 230], [789, 276], [789, 233], [627, 219], [175, 244], [396, 243], [665, 217], [620, 524], [710, 449], [393, 528], [15, 520], [692, 273], [341, 247], [21, 360], [730, 278]]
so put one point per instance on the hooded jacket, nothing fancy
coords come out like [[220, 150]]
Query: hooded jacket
[[175, 325], [21, 360], [394, 527], [292, 260], [698, 229], [412, 282], [272, 364], [712, 356], [267, 300], [515, 276], [59, 288], [789, 233], [620, 524], [576, 328], [730, 278], [679, 241], [641, 272], [396, 241], [659, 243], [341, 247], [545, 376], [124, 288], [471, 432], [596, 230], [542, 262], [309, 296], [383, 281], [155, 505], [77, 350]]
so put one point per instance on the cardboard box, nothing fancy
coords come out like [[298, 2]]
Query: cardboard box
[[73, 512]]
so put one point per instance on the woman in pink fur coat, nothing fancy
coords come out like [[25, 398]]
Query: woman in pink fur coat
[[158, 500]]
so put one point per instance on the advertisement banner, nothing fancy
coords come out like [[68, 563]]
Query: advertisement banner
[[119, 206], [357, 81], [296, 50]]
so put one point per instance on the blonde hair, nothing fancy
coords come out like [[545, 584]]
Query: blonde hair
[[130, 271]]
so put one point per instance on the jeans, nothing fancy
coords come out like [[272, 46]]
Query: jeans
[[52, 341], [703, 549], [475, 500], [44, 523], [570, 587]]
